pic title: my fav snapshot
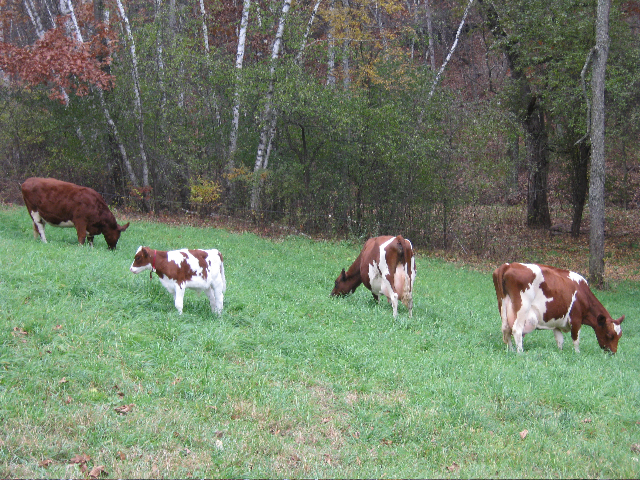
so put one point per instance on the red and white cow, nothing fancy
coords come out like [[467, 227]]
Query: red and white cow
[[385, 266], [64, 204], [532, 296], [182, 269]]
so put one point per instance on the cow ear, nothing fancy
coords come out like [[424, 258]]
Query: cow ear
[[619, 321], [343, 275], [602, 320], [122, 228]]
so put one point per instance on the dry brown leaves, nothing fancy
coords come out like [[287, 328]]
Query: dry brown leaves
[[124, 409]]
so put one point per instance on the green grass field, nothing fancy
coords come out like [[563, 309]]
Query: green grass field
[[289, 382]]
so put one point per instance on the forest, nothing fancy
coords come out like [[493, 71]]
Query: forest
[[329, 117]]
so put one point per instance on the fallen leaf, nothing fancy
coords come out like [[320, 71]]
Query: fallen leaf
[[122, 456], [68, 400], [586, 420], [219, 433], [124, 409], [524, 433], [97, 471], [19, 331], [45, 463], [84, 458], [219, 445], [176, 381], [386, 441], [635, 448], [454, 467], [57, 327], [63, 380]]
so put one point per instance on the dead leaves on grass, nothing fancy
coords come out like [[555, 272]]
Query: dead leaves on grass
[[124, 409], [81, 460]]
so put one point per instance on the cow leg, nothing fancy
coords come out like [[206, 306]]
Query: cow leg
[[393, 298], [559, 337], [215, 299], [376, 298], [81, 230], [575, 336], [178, 298], [505, 312], [38, 226]]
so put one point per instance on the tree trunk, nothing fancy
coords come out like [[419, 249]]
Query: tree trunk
[[242, 37], [306, 34], [269, 112], [331, 50], [538, 165], [596, 185], [430, 49], [137, 99], [579, 184]]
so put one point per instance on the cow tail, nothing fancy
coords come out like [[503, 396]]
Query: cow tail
[[400, 249]]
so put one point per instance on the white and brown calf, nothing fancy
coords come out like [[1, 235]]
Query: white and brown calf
[[178, 270], [385, 266], [532, 296]]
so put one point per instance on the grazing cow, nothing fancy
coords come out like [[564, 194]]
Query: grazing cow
[[182, 269], [385, 266], [64, 204], [534, 296]]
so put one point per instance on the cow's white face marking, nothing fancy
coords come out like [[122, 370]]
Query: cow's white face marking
[[139, 269], [617, 328]]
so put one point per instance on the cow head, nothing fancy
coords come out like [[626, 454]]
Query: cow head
[[343, 286], [143, 260], [113, 235], [608, 332]]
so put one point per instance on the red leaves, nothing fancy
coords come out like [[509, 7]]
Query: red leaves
[[60, 62]]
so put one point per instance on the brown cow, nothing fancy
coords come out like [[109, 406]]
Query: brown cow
[[385, 266], [532, 296], [64, 204]]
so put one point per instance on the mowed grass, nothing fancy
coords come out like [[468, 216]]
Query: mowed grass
[[289, 382]]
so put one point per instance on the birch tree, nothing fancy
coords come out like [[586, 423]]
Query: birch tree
[[453, 48], [242, 38], [597, 178], [137, 99], [269, 113]]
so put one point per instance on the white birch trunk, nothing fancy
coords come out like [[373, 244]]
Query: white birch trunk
[[114, 130], [136, 88], [160, 63], [431, 49], [205, 31], [35, 18], [453, 47], [242, 37], [597, 177], [268, 110], [331, 54], [346, 81], [306, 34]]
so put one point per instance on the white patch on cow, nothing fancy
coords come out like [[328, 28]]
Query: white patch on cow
[[576, 277], [378, 278], [39, 223], [534, 305], [617, 328], [66, 224]]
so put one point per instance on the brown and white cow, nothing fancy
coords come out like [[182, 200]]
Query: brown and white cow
[[182, 269], [385, 266], [532, 296], [64, 204]]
